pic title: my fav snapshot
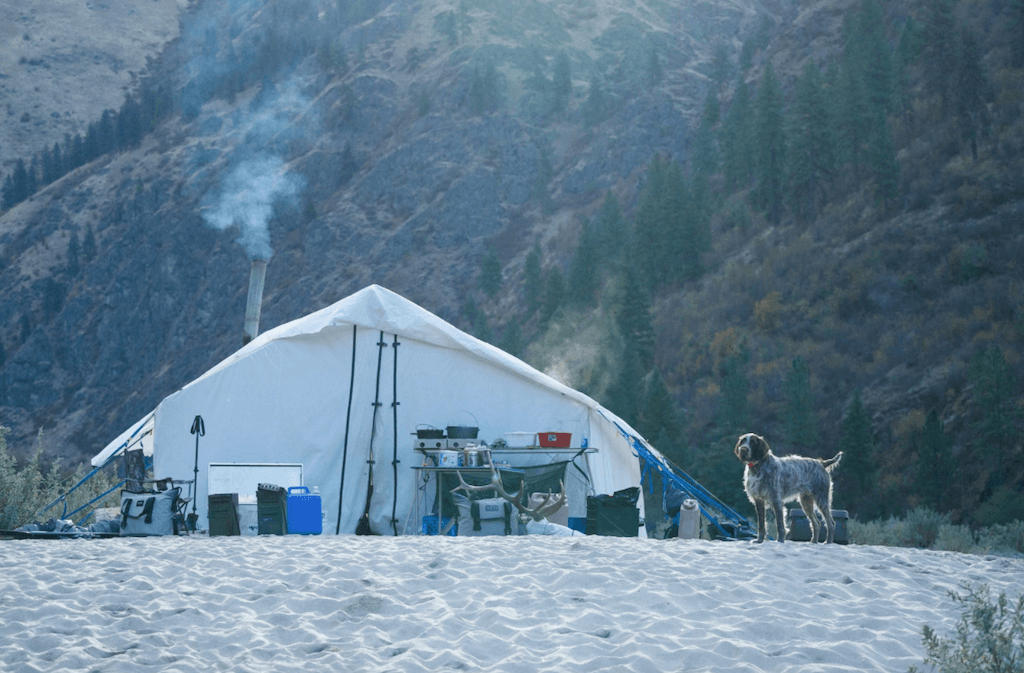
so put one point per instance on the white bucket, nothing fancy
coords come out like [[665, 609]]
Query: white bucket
[[448, 458], [689, 520], [248, 519], [559, 516]]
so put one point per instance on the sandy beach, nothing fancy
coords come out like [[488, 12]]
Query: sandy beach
[[477, 604]]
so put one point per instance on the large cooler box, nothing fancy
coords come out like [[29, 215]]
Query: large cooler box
[[304, 511]]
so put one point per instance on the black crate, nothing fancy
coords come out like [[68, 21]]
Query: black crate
[[223, 514], [271, 510], [612, 516]]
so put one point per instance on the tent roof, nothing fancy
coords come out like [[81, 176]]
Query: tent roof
[[378, 308]]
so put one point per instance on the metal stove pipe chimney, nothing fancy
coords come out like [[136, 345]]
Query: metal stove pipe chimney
[[255, 302]]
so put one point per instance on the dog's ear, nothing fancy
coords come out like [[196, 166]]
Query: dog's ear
[[759, 447]]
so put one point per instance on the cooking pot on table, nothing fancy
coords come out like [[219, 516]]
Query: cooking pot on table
[[429, 433], [462, 432]]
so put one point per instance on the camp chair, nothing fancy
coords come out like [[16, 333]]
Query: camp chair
[[182, 521]]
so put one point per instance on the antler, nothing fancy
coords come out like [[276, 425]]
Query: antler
[[550, 505]]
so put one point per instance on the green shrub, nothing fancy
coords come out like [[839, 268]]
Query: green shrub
[[927, 529], [955, 538], [923, 527], [989, 636], [24, 492], [1002, 538]]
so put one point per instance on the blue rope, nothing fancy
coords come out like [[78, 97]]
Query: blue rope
[[63, 497], [96, 499]]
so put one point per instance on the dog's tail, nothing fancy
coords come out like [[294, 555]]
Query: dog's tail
[[832, 462]]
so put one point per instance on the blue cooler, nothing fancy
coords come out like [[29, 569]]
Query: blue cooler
[[304, 515]]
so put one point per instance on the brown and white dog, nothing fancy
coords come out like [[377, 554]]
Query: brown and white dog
[[770, 480]]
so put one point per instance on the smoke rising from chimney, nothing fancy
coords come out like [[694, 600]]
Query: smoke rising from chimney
[[246, 199]]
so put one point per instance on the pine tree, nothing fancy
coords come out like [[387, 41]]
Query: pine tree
[[810, 157], [533, 280], [624, 396], [610, 231], [654, 71], [583, 270], [446, 23], [349, 166], [477, 96], [705, 154], [736, 139], [771, 145], [554, 295], [970, 91], [733, 417], [721, 69], [59, 169], [801, 430], [858, 447], [939, 55], [562, 82], [884, 167], [512, 339], [32, 182], [20, 180], [654, 239], [995, 392], [105, 135], [91, 144], [660, 417], [490, 273], [1016, 21], [74, 255], [634, 320], [89, 250], [935, 464], [595, 107], [852, 117], [8, 193], [53, 297]]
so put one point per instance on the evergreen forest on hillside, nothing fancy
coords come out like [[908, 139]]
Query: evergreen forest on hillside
[[833, 263], [914, 114]]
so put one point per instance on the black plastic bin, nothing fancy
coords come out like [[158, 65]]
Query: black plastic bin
[[271, 509], [223, 513], [616, 515]]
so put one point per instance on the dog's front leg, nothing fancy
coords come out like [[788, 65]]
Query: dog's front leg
[[780, 518], [762, 521]]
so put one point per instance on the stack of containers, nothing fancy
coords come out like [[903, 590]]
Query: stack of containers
[[272, 509]]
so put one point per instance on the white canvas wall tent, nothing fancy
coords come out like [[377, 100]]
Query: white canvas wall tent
[[339, 394]]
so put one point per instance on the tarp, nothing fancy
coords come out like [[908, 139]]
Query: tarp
[[285, 398]]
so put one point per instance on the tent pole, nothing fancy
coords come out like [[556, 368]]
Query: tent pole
[[198, 429], [348, 417], [363, 527], [394, 408]]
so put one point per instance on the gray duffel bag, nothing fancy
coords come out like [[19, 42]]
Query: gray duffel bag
[[149, 512]]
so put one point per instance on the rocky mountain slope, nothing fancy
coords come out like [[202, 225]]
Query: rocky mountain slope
[[418, 144], [279, 91]]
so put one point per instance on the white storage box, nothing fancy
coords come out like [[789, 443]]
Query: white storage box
[[248, 518], [520, 440]]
